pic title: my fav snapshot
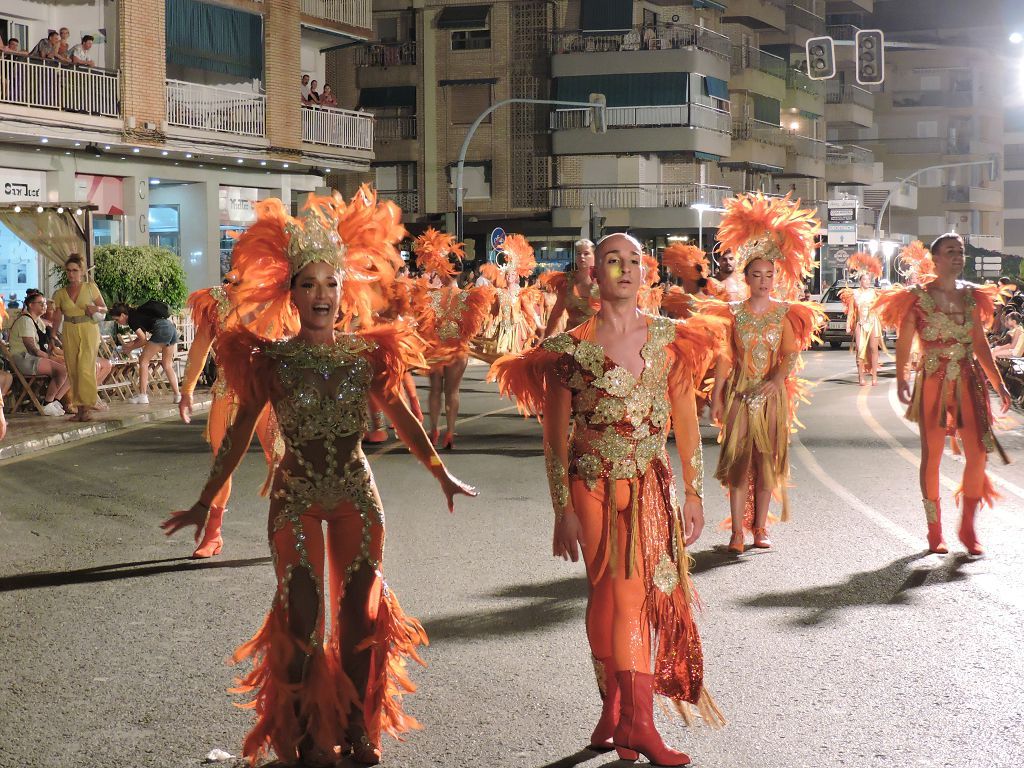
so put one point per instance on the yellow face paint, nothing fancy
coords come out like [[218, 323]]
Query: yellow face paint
[[615, 271]]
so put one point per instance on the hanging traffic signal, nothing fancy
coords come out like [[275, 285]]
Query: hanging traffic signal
[[821, 58], [870, 56]]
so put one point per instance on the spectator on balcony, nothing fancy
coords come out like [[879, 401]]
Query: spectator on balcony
[[327, 98], [46, 49], [314, 94], [305, 89], [13, 48], [64, 45], [79, 54]]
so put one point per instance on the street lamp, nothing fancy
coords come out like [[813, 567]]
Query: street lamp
[[1016, 38], [701, 209]]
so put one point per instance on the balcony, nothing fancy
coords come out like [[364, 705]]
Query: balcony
[[849, 105], [964, 146], [756, 71], [849, 165], [387, 55], [662, 207], [406, 199], [926, 146], [395, 128], [804, 94], [59, 89], [929, 99], [643, 129], [805, 156], [960, 198], [679, 48], [220, 110], [756, 14], [347, 13], [808, 17], [841, 31], [339, 128], [757, 145]]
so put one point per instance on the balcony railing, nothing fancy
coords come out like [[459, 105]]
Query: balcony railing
[[748, 57], [650, 38], [837, 93], [386, 55], [799, 81], [83, 90], [841, 31], [805, 146], [341, 128], [847, 155], [925, 146], [760, 131], [976, 195], [679, 115], [806, 14], [354, 13], [406, 199], [206, 107], [638, 195], [910, 99], [392, 128]]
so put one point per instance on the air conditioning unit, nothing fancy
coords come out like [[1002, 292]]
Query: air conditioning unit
[[149, 126]]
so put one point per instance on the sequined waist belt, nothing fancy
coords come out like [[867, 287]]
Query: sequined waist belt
[[609, 453], [948, 355]]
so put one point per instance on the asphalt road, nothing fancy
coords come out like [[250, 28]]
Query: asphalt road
[[846, 645]]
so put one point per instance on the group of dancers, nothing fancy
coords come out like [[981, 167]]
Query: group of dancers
[[317, 330]]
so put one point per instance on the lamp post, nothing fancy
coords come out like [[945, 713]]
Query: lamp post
[[701, 209]]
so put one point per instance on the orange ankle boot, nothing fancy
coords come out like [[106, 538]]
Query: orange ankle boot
[[967, 535], [635, 731], [933, 514], [212, 543]]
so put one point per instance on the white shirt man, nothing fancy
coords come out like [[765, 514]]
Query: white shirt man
[[80, 53]]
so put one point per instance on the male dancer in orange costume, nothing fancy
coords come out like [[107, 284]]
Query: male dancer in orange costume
[[608, 390], [213, 314], [576, 290], [315, 699], [949, 396], [448, 318], [861, 318], [756, 386]]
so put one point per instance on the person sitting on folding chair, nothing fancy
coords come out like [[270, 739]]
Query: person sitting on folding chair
[[31, 359], [151, 318]]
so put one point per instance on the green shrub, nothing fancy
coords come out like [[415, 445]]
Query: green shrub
[[135, 274]]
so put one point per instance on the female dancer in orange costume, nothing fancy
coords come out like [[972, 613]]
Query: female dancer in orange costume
[[756, 388], [861, 319], [688, 264], [576, 291], [213, 314], [949, 396], [514, 322], [314, 698], [608, 390], [449, 318]]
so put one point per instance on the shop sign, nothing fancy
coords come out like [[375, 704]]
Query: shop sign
[[18, 186], [238, 205]]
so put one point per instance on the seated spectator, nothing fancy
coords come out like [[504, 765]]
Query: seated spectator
[[79, 54], [31, 359], [153, 318], [1015, 346], [305, 89], [46, 49], [14, 48], [314, 94], [327, 98]]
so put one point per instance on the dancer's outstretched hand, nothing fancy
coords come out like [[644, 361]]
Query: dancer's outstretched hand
[[452, 487], [186, 517], [185, 407], [693, 520], [568, 537]]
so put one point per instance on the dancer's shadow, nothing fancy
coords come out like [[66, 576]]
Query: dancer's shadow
[[717, 557], [585, 756], [888, 585], [118, 571]]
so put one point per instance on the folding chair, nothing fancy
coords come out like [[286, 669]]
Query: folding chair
[[26, 390]]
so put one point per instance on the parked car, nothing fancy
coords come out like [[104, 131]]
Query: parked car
[[835, 334]]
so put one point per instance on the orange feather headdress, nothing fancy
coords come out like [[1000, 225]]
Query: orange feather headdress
[[777, 230], [518, 255], [434, 250], [866, 264], [685, 261], [916, 263]]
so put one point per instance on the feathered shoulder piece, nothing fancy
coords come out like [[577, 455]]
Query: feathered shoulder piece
[[775, 229], [895, 303], [685, 261], [208, 306], [916, 263], [652, 275], [677, 303], [846, 296], [434, 252], [806, 318], [493, 273], [865, 263], [696, 344], [242, 359], [986, 297], [553, 281], [523, 376], [518, 255], [393, 350]]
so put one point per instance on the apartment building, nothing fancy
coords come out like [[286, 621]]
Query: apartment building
[[191, 114]]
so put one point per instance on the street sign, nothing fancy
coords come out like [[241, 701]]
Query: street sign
[[841, 258], [842, 222], [497, 237]]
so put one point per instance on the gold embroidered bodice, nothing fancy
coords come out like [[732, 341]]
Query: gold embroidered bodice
[[619, 421], [865, 299], [220, 296], [946, 343], [448, 306], [578, 308], [759, 337]]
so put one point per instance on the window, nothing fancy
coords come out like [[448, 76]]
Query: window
[[466, 102], [476, 180], [393, 177], [471, 39]]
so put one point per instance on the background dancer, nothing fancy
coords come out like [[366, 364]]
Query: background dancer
[[575, 290], [861, 319]]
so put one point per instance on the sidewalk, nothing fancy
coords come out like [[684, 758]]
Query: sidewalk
[[30, 432]]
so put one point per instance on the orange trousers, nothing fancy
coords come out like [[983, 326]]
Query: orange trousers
[[933, 437], [616, 626], [222, 413]]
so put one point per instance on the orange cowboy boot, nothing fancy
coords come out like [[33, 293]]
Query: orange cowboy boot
[[967, 535], [635, 731], [212, 542], [933, 514], [601, 740]]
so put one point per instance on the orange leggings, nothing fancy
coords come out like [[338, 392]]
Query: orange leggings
[[616, 626], [933, 438], [221, 414]]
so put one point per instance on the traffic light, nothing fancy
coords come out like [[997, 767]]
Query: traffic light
[[870, 56], [598, 122], [821, 58]]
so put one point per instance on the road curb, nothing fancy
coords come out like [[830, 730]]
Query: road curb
[[73, 433]]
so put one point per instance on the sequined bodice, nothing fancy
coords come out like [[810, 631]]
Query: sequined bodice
[[579, 308], [865, 299], [946, 342], [448, 306], [759, 337], [619, 420], [220, 296]]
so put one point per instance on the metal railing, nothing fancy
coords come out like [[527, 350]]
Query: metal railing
[[406, 199], [355, 13], [837, 93], [976, 195], [650, 38], [910, 99], [805, 146], [748, 57], [387, 54], [207, 107], [806, 14], [848, 154], [83, 90], [799, 81], [841, 31], [638, 195], [671, 115], [334, 127], [392, 127], [924, 146], [760, 131]]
